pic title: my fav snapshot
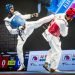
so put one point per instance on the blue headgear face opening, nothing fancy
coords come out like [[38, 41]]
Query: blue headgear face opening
[[8, 7]]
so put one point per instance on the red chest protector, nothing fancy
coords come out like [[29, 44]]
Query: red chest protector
[[54, 29]]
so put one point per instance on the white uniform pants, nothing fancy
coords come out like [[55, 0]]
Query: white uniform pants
[[20, 44], [54, 54]]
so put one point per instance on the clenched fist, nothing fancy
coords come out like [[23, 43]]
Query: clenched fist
[[35, 15]]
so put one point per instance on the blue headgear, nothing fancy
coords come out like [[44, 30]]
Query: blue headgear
[[8, 7]]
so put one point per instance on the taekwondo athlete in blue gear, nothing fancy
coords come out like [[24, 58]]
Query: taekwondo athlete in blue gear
[[16, 24]]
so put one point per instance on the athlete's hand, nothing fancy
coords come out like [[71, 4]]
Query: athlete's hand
[[22, 27], [35, 15]]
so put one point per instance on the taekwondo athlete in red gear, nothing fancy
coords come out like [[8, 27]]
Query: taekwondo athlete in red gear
[[58, 26], [16, 24]]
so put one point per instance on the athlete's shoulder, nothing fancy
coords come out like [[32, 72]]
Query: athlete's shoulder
[[60, 14], [17, 13]]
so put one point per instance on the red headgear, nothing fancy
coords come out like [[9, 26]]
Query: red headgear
[[70, 12]]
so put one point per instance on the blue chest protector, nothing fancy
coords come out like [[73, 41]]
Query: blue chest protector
[[17, 21]]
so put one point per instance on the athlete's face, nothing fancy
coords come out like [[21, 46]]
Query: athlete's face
[[12, 10], [69, 19]]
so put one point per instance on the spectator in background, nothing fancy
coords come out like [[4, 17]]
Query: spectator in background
[[41, 5]]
